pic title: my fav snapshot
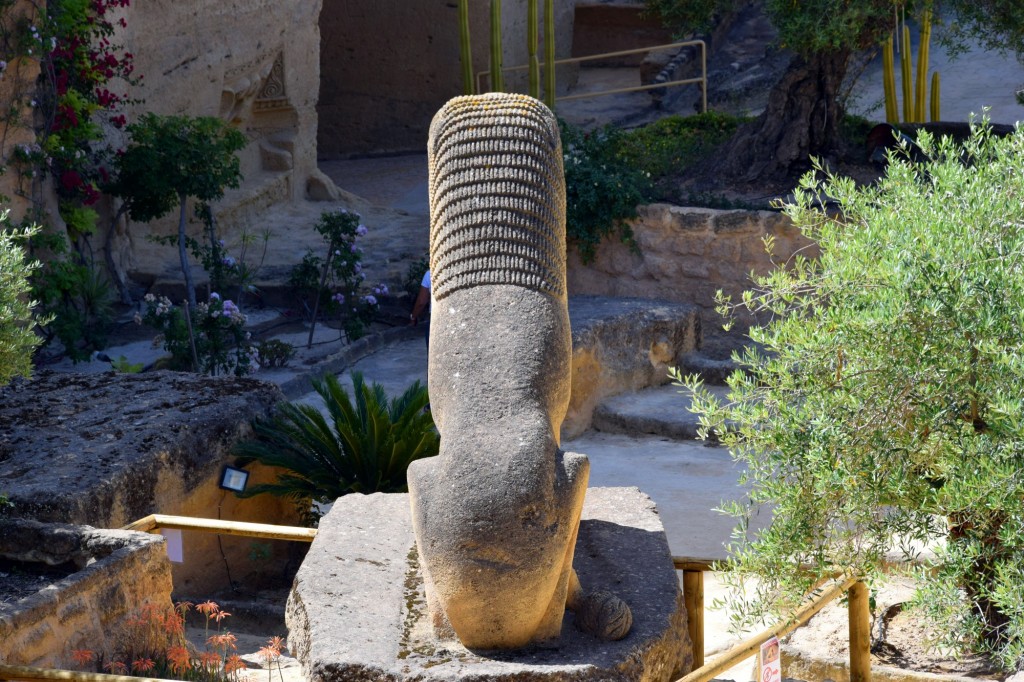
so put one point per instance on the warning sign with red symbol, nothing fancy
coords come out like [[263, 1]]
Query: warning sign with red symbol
[[771, 662]]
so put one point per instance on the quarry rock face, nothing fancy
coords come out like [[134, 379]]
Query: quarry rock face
[[102, 449], [105, 450]]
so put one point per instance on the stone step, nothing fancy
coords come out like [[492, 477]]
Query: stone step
[[713, 370], [621, 345], [661, 411]]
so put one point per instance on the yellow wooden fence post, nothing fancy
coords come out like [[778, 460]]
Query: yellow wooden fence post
[[693, 598], [860, 633]]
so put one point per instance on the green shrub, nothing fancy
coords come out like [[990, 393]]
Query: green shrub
[[668, 147], [331, 285], [887, 405], [274, 353], [602, 191], [212, 340], [362, 444], [17, 339]]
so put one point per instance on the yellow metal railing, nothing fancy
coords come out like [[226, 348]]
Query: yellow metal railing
[[857, 605], [703, 80]]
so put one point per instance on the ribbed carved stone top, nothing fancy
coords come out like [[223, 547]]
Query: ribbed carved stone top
[[497, 195]]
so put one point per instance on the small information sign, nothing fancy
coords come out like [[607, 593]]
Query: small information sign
[[771, 661]]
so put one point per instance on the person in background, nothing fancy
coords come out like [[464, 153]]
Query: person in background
[[422, 303]]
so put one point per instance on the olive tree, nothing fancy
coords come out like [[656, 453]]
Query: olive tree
[[17, 339], [806, 106], [885, 407]]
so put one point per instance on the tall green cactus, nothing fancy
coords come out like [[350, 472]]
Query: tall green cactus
[[531, 47], [468, 87], [497, 77], [913, 91], [922, 66], [908, 101], [549, 53], [892, 114]]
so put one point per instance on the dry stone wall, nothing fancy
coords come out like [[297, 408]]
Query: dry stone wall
[[686, 254], [120, 572]]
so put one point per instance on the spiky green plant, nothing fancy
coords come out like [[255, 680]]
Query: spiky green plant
[[362, 444]]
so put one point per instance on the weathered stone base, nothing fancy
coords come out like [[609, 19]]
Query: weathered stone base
[[358, 612]]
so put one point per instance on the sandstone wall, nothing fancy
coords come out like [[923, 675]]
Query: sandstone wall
[[687, 254], [252, 63], [17, 80], [120, 572], [388, 65]]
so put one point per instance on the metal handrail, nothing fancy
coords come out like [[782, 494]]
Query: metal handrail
[[703, 80], [693, 597]]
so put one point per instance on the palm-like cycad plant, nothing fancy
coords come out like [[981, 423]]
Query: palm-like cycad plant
[[363, 445]]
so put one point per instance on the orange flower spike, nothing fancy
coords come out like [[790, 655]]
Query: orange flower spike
[[209, 660], [268, 655], [276, 643], [143, 665], [180, 659], [82, 656], [117, 667], [223, 641], [234, 663], [220, 615], [207, 608]]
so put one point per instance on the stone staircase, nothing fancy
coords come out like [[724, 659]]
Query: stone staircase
[[664, 410]]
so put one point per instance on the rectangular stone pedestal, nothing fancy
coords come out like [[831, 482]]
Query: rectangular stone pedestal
[[357, 610]]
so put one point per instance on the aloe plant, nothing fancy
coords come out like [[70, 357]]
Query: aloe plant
[[362, 444]]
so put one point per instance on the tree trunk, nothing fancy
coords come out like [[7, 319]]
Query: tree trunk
[[186, 269], [801, 120]]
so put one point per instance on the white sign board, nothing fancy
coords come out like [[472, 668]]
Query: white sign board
[[771, 661], [172, 538]]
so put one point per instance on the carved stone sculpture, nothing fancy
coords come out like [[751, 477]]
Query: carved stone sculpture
[[497, 511]]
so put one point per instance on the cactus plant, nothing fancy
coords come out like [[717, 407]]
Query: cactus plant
[[892, 114], [497, 78], [464, 49], [908, 101], [549, 53], [531, 47], [922, 66], [913, 92]]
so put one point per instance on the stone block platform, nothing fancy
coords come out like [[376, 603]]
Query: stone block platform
[[357, 610]]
